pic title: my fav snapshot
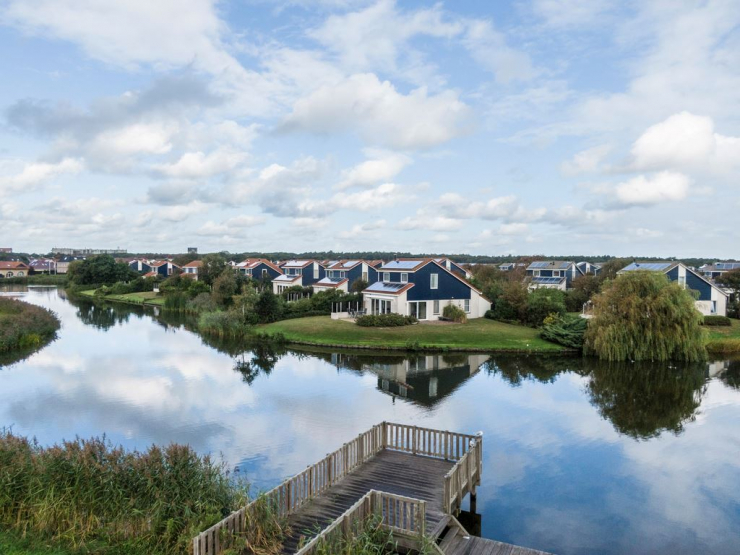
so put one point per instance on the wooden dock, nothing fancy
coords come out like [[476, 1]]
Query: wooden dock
[[413, 479]]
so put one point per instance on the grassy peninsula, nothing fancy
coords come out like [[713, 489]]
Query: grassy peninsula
[[24, 326]]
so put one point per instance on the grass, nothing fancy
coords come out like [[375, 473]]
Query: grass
[[24, 326], [480, 334], [724, 339], [12, 544], [146, 297]]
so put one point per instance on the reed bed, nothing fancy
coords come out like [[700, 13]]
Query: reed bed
[[87, 493], [24, 326]]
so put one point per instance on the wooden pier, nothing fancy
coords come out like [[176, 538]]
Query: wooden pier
[[413, 479]]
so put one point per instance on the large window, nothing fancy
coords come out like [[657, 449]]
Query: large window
[[418, 310], [434, 281], [315, 271], [381, 306]]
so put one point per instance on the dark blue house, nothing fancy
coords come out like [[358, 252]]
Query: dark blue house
[[554, 274], [298, 272], [259, 268], [341, 274]]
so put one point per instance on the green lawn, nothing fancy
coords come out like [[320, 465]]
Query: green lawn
[[480, 334], [146, 297], [10, 544], [724, 339]]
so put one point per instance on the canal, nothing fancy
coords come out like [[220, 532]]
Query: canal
[[580, 457]]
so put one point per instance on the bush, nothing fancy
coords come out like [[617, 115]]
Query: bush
[[202, 303], [511, 304], [176, 300], [391, 320], [567, 330], [198, 287], [268, 307], [120, 288], [24, 326], [224, 323], [542, 302], [717, 321], [454, 313]]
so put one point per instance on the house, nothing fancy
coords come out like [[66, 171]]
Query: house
[[191, 268], [43, 265], [507, 266], [588, 268], [13, 269], [446, 262], [713, 271], [298, 272], [62, 265], [164, 268], [6, 250], [712, 300], [140, 265], [341, 274], [422, 288], [553, 274], [259, 268]]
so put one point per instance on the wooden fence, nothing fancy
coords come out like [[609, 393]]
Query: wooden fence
[[289, 496], [405, 517], [464, 476]]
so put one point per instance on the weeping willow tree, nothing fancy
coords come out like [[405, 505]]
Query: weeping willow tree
[[644, 316]]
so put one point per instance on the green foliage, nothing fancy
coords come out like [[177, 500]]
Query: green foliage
[[102, 269], [390, 320], [717, 321], [212, 267], [511, 304], [454, 313], [366, 537], [358, 286], [644, 316], [731, 280], [24, 326], [198, 287], [84, 492], [567, 330], [542, 302], [268, 307], [176, 300], [203, 302], [224, 288], [175, 283], [227, 323]]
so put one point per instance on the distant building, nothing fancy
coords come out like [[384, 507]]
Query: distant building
[[191, 268], [712, 300], [341, 274], [258, 268], [13, 269], [6, 250], [43, 265], [713, 271], [192, 250], [298, 272], [86, 252], [63, 263], [552, 274]]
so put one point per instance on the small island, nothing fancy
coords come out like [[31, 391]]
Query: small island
[[24, 327]]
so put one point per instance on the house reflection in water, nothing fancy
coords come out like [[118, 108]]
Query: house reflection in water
[[424, 380]]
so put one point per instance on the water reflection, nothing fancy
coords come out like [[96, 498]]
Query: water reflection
[[580, 457]]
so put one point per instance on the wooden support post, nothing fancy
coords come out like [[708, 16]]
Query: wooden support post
[[414, 440]]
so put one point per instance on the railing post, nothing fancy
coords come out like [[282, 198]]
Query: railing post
[[360, 450], [422, 519], [479, 458], [414, 439]]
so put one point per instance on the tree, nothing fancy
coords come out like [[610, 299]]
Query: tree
[[182, 259], [644, 316], [358, 286], [583, 288], [268, 307], [511, 304], [212, 267], [224, 288], [102, 269], [731, 280], [542, 302]]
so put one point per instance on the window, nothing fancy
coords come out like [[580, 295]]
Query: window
[[536, 273], [315, 271], [434, 281], [435, 309], [404, 278], [364, 276], [682, 281], [386, 276], [467, 305], [264, 272], [556, 273], [418, 310]]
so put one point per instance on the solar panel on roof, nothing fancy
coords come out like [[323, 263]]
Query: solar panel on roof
[[548, 280], [386, 287], [401, 265]]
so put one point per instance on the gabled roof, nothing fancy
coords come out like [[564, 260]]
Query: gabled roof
[[282, 278], [343, 264], [665, 267], [158, 263], [386, 288], [720, 267], [13, 265], [550, 265], [420, 265], [297, 263], [194, 264], [251, 263], [330, 282], [409, 265]]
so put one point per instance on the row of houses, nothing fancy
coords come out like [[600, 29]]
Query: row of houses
[[712, 298]]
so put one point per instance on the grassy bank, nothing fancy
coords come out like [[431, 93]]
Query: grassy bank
[[24, 326], [724, 340], [149, 298], [36, 279], [480, 334], [88, 496]]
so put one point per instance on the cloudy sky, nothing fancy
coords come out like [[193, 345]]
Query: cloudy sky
[[540, 126]]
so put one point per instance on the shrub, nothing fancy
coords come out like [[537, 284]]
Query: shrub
[[198, 287], [567, 330], [454, 313], [120, 288], [24, 325], [176, 300], [717, 321], [542, 302], [224, 288], [225, 323], [202, 303], [391, 320], [268, 307], [511, 304]]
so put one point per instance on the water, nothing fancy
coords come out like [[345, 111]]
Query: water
[[579, 457]]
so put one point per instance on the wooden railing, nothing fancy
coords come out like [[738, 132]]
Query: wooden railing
[[290, 495], [464, 476], [405, 517], [450, 446]]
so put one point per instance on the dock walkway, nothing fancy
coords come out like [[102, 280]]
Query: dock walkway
[[414, 479]]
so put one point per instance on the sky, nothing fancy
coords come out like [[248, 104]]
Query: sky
[[467, 126]]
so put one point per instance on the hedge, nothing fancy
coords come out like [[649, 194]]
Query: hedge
[[385, 320], [717, 321]]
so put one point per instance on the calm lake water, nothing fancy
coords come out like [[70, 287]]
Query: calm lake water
[[579, 457]]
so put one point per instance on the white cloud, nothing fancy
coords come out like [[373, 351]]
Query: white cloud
[[572, 13], [36, 174], [358, 230], [688, 141], [386, 195], [513, 229], [649, 190], [586, 161], [488, 47], [139, 138], [433, 222], [381, 166], [380, 114], [172, 213], [198, 165]]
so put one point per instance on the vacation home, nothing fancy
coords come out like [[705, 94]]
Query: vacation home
[[298, 272], [9, 269], [553, 274], [191, 268], [341, 274], [258, 268], [422, 288]]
